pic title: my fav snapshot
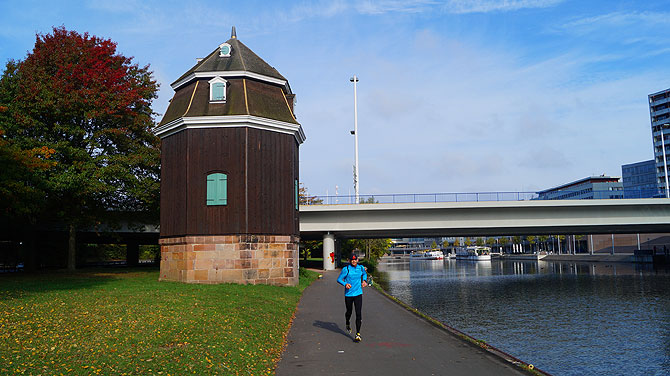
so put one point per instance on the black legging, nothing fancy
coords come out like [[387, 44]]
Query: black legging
[[358, 302]]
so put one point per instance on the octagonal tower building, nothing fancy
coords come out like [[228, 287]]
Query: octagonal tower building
[[229, 173]]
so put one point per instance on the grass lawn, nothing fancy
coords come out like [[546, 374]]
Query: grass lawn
[[125, 322]]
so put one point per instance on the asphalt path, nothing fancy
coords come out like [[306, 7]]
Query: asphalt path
[[395, 341]]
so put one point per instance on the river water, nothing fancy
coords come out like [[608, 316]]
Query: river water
[[565, 318]]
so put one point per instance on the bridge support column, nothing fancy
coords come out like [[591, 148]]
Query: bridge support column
[[329, 252], [132, 254]]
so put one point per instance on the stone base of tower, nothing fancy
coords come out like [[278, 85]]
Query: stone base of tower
[[243, 259]]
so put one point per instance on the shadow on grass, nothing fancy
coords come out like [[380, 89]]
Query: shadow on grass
[[311, 264], [330, 326], [20, 285]]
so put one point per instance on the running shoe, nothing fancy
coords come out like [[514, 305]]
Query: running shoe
[[358, 337], [349, 328]]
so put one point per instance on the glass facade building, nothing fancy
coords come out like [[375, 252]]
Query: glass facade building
[[593, 187], [659, 113], [639, 180]]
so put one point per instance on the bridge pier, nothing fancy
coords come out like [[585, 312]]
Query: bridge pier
[[132, 254], [328, 251]]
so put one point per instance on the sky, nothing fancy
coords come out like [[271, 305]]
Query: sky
[[454, 96]]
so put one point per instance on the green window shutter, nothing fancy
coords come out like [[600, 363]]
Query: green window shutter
[[222, 189], [217, 189], [211, 189], [218, 91], [296, 194]]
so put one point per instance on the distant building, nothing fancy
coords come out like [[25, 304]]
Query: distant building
[[639, 179], [659, 113], [593, 187]]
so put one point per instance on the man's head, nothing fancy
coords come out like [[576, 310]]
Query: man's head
[[353, 260]]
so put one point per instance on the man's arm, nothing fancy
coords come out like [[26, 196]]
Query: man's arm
[[364, 283], [340, 279]]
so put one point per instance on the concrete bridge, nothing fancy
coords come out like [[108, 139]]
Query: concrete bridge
[[536, 217], [484, 218]]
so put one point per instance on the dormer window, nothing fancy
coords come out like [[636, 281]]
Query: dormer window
[[224, 50], [217, 90]]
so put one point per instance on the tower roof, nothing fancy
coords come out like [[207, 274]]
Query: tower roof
[[231, 87], [241, 59]]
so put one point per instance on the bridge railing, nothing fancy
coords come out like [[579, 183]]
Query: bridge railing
[[400, 198]]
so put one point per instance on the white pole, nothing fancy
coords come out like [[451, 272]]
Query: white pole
[[638, 241], [328, 251], [354, 79], [665, 164]]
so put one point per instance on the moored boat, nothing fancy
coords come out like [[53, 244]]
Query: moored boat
[[427, 255], [476, 253]]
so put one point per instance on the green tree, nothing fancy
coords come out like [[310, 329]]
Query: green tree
[[21, 198], [87, 109], [531, 240], [479, 242], [490, 242], [373, 248], [467, 242], [305, 199], [309, 248], [369, 200], [543, 240], [433, 245], [579, 239], [561, 239], [503, 242], [457, 242]]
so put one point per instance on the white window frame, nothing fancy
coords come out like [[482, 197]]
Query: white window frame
[[230, 48], [217, 80]]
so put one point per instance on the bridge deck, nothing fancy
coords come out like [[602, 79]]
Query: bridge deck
[[536, 217]]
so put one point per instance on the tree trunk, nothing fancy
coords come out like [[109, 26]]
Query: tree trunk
[[29, 250], [71, 249], [30, 263]]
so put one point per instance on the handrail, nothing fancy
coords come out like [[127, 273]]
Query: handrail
[[404, 198]]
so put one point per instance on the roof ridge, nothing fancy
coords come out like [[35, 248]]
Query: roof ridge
[[241, 58], [256, 56]]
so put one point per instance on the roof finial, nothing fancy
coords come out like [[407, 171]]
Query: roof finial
[[233, 34]]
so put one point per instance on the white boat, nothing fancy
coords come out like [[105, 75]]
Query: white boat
[[476, 253], [427, 255]]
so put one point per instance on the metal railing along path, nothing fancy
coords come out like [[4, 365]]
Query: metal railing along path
[[404, 198]]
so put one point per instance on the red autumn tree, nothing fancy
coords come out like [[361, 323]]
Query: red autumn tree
[[85, 111]]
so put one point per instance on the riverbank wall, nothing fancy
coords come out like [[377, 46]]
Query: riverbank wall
[[617, 257]]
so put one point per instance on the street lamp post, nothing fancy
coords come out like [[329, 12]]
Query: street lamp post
[[354, 79]]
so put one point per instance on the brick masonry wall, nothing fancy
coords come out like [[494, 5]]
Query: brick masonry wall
[[243, 259]]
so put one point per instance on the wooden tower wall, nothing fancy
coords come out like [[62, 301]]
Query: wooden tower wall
[[262, 202]]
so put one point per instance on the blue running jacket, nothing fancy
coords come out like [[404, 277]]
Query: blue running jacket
[[353, 276]]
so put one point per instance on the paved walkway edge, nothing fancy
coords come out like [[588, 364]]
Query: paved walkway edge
[[464, 337]]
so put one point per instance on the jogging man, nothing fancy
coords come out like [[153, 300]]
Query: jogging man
[[353, 277]]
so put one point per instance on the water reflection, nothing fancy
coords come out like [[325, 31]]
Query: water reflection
[[568, 318]]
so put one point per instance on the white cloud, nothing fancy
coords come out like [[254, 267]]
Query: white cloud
[[370, 7], [617, 19], [633, 31], [485, 6], [386, 6]]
